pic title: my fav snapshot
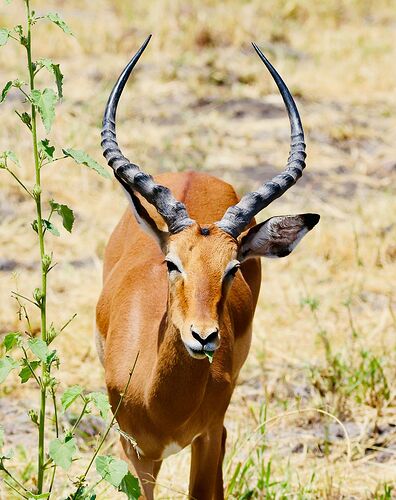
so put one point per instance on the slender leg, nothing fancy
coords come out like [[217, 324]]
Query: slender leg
[[146, 470], [219, 492], [207, 451]]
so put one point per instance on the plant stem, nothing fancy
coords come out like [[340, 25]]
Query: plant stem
[[52, 480], [50, 215], [13, 478], [19, 182], [52, 161], [23, 308], [80, 417], [57, 435], [25, 298], [13, 488], [25, 94], [88, 492], [68, 322], [55, 411], [83, 477], [43, 391], [30, 367]]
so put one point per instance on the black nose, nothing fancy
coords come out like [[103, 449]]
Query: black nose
[[212, 337]]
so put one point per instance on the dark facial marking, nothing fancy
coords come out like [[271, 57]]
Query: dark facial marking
[[205, 231]]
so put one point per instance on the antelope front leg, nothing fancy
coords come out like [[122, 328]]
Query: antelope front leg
[[206, 474], [146, 470]]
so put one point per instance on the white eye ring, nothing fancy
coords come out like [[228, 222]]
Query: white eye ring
[[173, 264]]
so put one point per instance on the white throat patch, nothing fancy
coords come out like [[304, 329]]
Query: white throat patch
[[170, 449]]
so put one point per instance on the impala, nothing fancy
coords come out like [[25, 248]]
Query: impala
[[181, 279]]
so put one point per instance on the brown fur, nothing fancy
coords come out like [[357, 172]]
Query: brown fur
[[174, 398]]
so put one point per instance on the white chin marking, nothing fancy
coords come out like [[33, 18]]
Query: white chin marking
[[196, 355], [170, 449]]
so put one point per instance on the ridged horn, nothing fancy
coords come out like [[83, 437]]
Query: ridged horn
[[237, 217], [129, 174]]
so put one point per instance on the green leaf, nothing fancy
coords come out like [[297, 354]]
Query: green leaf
[[45, 102], [130, 486], [52, 358], [51, 228], [13, 157], [46, 150], [111, 469], [62, 451], [70, 395], [58, 79], [5, 91], [42, 496], [67, 217], [54, 17], [4, 35], [10, 155], [25, 374], [209, 355], [7, 364], [84, 159], [46, 225], [85, 494], [65, 212], [55, 70], [39, 348], [101, 401], [11, 340]]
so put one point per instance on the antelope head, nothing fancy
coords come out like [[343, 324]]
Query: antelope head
[[203, 261]]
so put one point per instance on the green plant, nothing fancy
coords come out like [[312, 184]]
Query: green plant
[[34, 356], [369, 382], [384, 492], [355, 372], [253, 476]]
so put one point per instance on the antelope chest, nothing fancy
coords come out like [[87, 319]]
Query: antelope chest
[[170, 449], [155, 449]]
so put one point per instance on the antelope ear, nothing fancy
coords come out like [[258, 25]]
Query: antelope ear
[[144, 219], [276, 237]]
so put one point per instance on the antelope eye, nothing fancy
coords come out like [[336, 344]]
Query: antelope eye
[[172, 266]]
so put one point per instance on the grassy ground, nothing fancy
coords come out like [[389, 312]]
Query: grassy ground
[[314, 413]]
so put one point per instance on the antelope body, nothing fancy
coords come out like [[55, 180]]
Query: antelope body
[[180, 288]]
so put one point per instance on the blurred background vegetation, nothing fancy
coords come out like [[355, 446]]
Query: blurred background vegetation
[[324, 334]]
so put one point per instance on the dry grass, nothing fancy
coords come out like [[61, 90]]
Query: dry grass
[[201, 100]]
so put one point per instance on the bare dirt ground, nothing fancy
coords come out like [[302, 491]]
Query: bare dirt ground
[[322, 367]]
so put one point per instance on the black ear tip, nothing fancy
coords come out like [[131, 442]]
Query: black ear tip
[[310, 220]]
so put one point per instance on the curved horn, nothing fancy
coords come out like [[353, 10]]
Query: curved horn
[[173, 212], [238, 216]]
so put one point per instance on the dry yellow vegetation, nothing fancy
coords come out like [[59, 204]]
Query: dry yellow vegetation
[[324, 333]]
